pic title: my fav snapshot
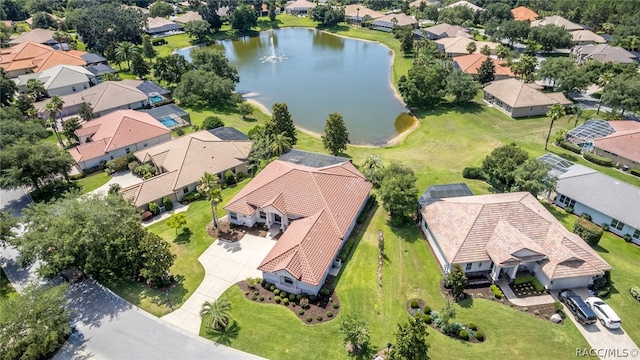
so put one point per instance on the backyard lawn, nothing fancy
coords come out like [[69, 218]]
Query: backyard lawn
[[191, 241], [93, 181]]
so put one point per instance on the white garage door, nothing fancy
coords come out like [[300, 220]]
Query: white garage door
[[570, 283]]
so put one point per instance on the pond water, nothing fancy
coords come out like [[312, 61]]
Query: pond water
[[317, 73]]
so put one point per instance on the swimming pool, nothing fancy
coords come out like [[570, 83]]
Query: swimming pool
[[155, 99], [168, 122]]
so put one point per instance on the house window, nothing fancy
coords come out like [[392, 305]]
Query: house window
[[288, 280], [636, 234], [499, 103], [468, 267], [73, 88], [567, 201], [144, 145], [127, 150], [263, 215], [185, 189], [84, 86], [508, 108], [233, 216], [616, 224]]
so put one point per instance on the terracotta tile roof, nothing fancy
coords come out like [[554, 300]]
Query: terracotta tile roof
[[523, 13], [187, 158], [471, 63], [622, 143], [499, 227], [516, 93], [38, 57], [624, 125], [558, 21], [328, 198], [116, 130]]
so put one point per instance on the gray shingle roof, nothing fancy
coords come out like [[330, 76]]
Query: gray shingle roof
[[603, 193], [228, 133], [311, 159], [437, 192]]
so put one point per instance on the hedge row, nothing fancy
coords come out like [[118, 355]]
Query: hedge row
[[472, 173], [365, 211], [600, 160], [570, 146], [496, 291], [635, 172], [588, 231]]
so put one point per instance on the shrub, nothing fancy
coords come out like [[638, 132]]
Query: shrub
[[414, 304], [588, 231], [557, 305], [256, 293], [472, 326], [253, 297], [568, 210], [536, 312], [427, 319], [158, 42], [241, 176], [635, 292], [605, 227], [600, 160], [298, 297], [283, 294], [261, 298], [168, 204], [427, 309], [145, 171], [300, 312], [324, 291], [118, 164], [133, 165], [346, 249], [319, 317], [585, 216], [146, 215], [335, 305], [496, 291], [154, 208], [285, 302], [472, 173], [635, 172], [313, 298], [230, 177], [212, 122], [480, 335], [77, 176], [276, 292], [304, 303], [277, 299], [292, 297], [570, 146], [329, 314], [525, 309], [179, 131], [308, 319], [195, 127], [463, 335], [273, 288], [434, 314], [627, 238], [365, 211]]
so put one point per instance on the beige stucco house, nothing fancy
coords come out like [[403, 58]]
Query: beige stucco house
[[519, 99]]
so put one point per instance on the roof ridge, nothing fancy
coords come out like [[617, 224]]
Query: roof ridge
[[116, 130], [184, 157], [289, 169]]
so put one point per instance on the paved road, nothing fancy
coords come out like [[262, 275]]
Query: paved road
[[14, 200]]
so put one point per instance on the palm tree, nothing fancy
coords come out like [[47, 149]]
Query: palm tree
[[502, 51], [471, 47], [215, 198], [280, 143], [53, 107], [372, 162], [59, 37], [602, 81], [217, 313], [577, 115], [556, 111], [124, 52], [206, 183]]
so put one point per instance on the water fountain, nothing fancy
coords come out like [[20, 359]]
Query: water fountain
[[272, 57]]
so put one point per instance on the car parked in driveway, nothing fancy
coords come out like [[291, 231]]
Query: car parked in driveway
[[565, 294], [580, 310], [604, 312]]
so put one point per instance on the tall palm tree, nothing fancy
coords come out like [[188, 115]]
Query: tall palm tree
[[502, 51], [59, 37], [53, 107], [577, 115], [280, 143], [124, 52], [217, 313], [602, 81], [215, 198], [206, 183], [556, 111]]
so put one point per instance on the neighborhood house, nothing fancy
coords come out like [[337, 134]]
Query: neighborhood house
[[518, 99], [315, 207], [60, 80], [498, 234]]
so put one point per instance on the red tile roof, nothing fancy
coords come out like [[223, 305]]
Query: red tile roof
[[37, 57], [625, 144], [470, 64], [328, 199], [523, 13]]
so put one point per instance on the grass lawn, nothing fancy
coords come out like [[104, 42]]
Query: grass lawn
[[93, 181], [190, 242], [623, 257], [410, 271]]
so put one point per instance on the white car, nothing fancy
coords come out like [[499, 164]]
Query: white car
[[604, 312]]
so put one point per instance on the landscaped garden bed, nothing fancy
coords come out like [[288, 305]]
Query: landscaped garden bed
[[526, 286], [467, 332], [309, 309]]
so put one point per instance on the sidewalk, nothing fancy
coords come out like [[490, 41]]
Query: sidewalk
[[529, 301]]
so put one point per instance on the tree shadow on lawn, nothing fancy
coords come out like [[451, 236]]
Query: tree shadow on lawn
[[222, 109], [249, 119], [409, 232], [366, 353], [226, 335], [466, 303], [170, 296], [333, 29], [266, 24], [184, 237]]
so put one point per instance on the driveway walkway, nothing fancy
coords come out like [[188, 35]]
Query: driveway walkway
[[608, 344], [122, 178], [528, 301], [224, 264]]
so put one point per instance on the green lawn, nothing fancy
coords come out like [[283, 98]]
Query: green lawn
[[187, 245], [624, 258], [410, 271], [93, 181]]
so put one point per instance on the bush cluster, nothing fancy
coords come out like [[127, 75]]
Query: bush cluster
[[230, 177], [158, 41], [154, 208], [570, 146], [635, 172], [414, 304], [600, 160], [585, 216], [463, 335], [635, 292], [588, 231], [167, 203], [472, 173], [496, 291], [480, 335], [191, 197], [346, 249], [117, 164]]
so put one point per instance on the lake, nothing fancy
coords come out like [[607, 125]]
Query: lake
[[315, 74]]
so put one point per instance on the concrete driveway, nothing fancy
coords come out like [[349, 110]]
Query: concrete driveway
[[606, 343], [122, 178], [225, 264]]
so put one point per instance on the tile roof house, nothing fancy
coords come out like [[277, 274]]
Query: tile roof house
[[356, 13], [31, 57], [37, 35], [604, 53], [465, 4], [622, 147], [498, 234], [161, 26], [558, 21], [608, 200], [456, 46], [388, 22], [60, 80], [444, 30], [317, 208], [469, 64], [416, 3], [103, 98], [299, 7], [586, 133], [519, 99], [181, 162], [188, 16], [523, 13], [583, 37], [115, 135]]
